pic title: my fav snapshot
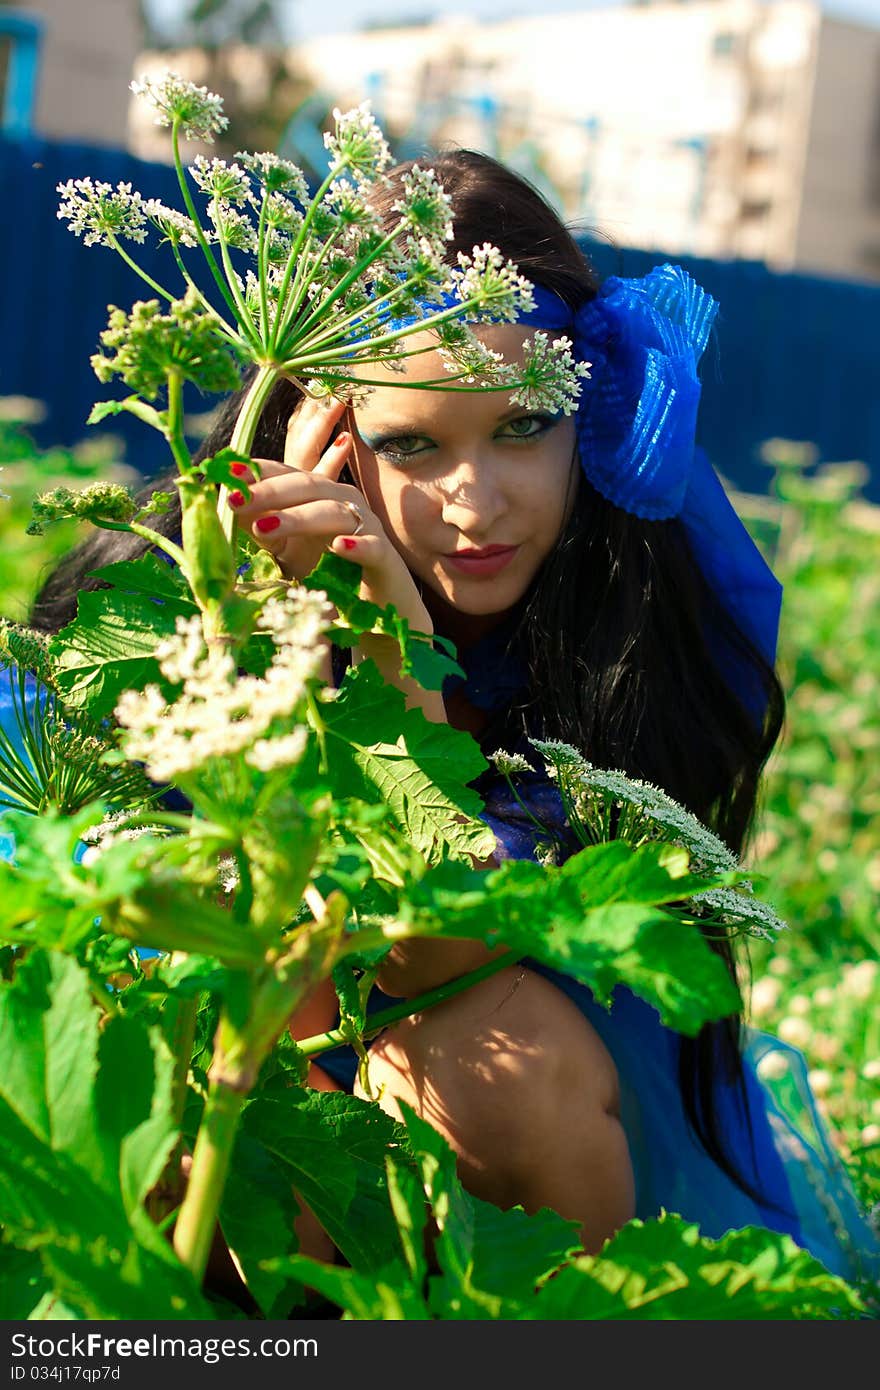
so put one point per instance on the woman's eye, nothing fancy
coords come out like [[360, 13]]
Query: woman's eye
[[527, 426], [401, 447]]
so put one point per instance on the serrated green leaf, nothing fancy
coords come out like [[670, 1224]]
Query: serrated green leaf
[[257, 1216], [420, 768], [147, 575], [419, 657], [664, 1269], [546, 914], [332, 1148], [86, 1131], [385, 1295], [109, 646]]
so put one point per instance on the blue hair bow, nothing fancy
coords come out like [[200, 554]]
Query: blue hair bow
[[636, 425]]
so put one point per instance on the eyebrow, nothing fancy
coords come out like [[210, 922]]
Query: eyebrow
[[418, 429]]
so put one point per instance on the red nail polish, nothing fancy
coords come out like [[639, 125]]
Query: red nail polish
[[267, 524], [349, 542], [236, 499], [240, 470]]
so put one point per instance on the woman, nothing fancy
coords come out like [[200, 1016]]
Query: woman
[[601, 591]]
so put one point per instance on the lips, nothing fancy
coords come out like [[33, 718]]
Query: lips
[[488, 561]]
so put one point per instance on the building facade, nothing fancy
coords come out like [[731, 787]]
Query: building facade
[[720, 128]]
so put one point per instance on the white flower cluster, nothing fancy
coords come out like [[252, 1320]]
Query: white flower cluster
[[550, 373], [647, 813], [276, 174], [740, 909], [173, 98], [227, 182], [175, 226], [357, 144], [509, 763], [493, 288], [425, 208], [219, 714], [99, 215]]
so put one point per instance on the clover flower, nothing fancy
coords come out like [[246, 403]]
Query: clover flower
[[226, 182], [219, 714], [175, 226], [357, 143], [175, 100], [277, 175], [146, 345], [99, 215], [550, 372]]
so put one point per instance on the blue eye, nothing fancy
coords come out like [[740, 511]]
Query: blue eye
[[527, 426]]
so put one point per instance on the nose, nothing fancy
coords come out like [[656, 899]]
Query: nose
[[472, 498]]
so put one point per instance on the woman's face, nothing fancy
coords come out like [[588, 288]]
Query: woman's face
[[453, 476]]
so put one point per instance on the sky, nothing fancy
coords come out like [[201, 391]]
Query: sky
[[307, 18]]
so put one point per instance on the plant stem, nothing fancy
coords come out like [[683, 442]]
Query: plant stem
[[243, 434], [194, 1230], [322, 1042]]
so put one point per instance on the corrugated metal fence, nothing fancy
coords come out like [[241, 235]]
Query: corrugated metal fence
[[792, 356]]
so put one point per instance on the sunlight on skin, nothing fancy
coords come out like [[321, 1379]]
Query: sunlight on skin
[[450, 472]]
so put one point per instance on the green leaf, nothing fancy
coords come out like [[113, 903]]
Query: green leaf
[[22, 1283], [665, 1269], [148, 575], [385, 1295], [420, 768], [419, 657], [133, 405], [218, 469], [332, 1147], [86, 1129], [109, 647], [256, 1216], [546, 914]]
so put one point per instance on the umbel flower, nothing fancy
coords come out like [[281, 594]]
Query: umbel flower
[[603, 804], [330, 289], [218, 715]]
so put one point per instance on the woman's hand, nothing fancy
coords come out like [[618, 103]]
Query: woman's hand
[[299, 509]]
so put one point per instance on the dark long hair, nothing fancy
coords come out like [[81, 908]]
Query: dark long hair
[[625, 640]]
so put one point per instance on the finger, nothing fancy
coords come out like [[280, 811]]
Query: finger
[[366, 550], [291, 488], [333, 460], [308, 431], [324, 517]]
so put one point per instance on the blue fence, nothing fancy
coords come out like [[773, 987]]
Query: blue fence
[[791, 356]]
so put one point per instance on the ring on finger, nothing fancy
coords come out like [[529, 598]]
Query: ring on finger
[[358, 516]]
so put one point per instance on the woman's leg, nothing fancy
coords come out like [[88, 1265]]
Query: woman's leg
[[524, 1090]]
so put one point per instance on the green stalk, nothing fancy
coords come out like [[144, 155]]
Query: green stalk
[[153, 284], [322, 1042], [154, 537], [194, 218], [243, 434], [222, 325], [174, 431], [197, 1218], [282, 321]]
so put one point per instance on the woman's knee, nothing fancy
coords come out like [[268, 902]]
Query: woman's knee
[[514, 1077]]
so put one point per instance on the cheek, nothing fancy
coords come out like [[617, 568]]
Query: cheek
[[403, 508]]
